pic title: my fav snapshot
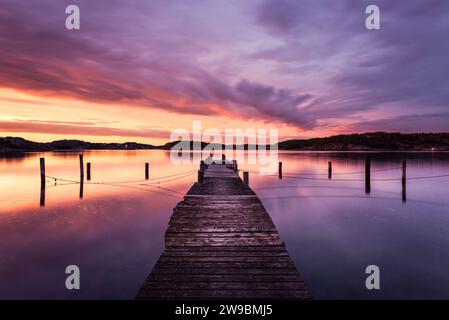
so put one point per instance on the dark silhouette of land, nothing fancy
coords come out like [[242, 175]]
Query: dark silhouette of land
[[15, 144], [345, 142], [373, 141]]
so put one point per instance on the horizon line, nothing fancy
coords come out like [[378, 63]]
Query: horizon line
[[173, 141]]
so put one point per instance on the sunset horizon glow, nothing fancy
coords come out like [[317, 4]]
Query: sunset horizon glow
[[140, 71]]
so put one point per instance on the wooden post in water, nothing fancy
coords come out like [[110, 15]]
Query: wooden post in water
[[329, 170], [42, 169], [81, 176], [368, 175], [235, 165], [280, 169], [81, 188], [404, 180], [246, 178], [404, 171], [81, 168], [147, 171], [88, 171], [200, 176], [223, 158]]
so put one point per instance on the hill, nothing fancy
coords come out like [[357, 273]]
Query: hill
[[15, 144], [346, 142], [372, 141]]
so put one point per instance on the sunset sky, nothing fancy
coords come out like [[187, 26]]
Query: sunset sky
[[138, 69]]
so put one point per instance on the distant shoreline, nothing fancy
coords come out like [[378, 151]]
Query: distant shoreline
[[366, 142], [22, 152]]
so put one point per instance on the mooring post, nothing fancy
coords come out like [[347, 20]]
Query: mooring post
[[329, 170], [81, 188], [42, 198], [404, 180], [404, 171], [81, 168], [223, 158], [147, 171], [235, 165], [42, 169], [246, 177], [200, 176], [368, 175], [88, 171], [280, 169]]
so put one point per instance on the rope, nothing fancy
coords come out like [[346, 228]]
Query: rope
[[186, 173], [360, 172], [143, 189], [181, 175], [173, 179], [300, 186], [443, 204], [60, 185], [345, 173], [152, 179], [323, 179], [122, 186]]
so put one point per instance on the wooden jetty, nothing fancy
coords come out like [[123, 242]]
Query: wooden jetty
[[222, 244]]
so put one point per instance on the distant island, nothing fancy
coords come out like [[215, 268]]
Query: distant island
[[374, 141]]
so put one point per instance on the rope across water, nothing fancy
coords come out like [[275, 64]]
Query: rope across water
[[122, 184]]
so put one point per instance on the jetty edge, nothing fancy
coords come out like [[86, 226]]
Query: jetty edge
[[222, 244]]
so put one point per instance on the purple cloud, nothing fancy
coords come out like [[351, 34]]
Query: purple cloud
[[79, 128], [121, 54], [304, 63], [402, 68]]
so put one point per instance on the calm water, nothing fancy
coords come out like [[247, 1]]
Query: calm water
[[332, 229]]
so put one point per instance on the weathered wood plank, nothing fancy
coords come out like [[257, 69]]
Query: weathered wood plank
[[222, 244], [218, 242], [229, 271], [213, 259], [228, 277], [223, 294], [221, 285], [224, 254], [255, 249], [185, 228], [223, 264]]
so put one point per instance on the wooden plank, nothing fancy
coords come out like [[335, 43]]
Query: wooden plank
[[213, 259], [186, 228], [222, 285], [252, 249], [223, 264], [222, 244], [219, 235], [218, 253], [229, 271], [217, 242], [217, 278], [223, 294]]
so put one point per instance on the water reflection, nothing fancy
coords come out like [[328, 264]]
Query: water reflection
[[333, 230], [112, 226]]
